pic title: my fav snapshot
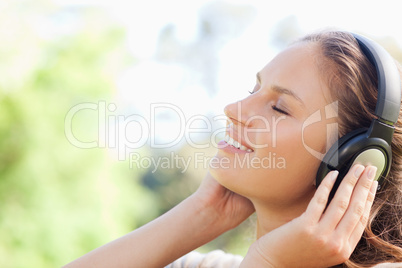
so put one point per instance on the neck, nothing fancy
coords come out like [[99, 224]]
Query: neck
[[272, 217]]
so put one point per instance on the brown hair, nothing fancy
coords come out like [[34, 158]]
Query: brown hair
[[352, 81]]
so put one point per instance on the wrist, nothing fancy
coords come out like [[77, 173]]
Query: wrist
[[208, 215], [256, 258]]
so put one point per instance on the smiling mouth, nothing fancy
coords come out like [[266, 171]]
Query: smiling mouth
[[236, 144]]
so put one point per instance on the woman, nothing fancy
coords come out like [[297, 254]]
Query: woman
[[294, 226]]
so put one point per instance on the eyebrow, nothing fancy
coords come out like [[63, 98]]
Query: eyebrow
[[282, 90]]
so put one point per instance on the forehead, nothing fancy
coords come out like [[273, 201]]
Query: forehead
[[297, 69]]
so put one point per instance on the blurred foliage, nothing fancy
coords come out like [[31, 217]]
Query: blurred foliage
[[57, 201]]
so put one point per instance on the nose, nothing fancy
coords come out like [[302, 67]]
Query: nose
[[239, 112], [233, 112]]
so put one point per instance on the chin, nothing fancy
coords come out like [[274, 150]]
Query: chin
[[239, 179], [224, 170]]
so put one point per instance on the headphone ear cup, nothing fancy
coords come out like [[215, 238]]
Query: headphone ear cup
[[355, 148], [331, 158]]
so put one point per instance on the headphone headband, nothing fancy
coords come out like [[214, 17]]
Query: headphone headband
[[389, 85]]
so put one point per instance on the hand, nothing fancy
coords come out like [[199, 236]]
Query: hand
[[318, 238], [231, 208]]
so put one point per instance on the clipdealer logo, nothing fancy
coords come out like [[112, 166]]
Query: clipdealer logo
[[114, 129]]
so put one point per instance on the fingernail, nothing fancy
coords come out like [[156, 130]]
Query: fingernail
[[358, 171], [334, 175], [371, 173]]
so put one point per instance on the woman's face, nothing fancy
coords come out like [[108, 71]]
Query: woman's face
[[279, 131]]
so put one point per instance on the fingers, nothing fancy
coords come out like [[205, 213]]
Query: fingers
[[358, 203], [340, 203], [348, 211], [319, 201], [361, 225]]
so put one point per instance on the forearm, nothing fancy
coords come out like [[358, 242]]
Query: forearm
[[182, 229]]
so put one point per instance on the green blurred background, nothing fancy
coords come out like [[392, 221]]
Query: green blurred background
[[58, 201]]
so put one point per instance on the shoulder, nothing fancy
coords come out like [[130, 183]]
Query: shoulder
[[213, 259]]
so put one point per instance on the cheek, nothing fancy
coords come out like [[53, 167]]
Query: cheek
[[289, 147], [303, 147], [319, 136]]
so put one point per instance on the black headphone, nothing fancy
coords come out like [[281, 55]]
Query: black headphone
[[369, 146]]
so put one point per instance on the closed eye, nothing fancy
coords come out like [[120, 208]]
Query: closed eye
[[279, 110]]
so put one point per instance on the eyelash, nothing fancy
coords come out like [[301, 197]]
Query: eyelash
[[273, 106], [279, 110]]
